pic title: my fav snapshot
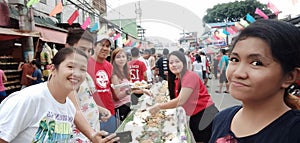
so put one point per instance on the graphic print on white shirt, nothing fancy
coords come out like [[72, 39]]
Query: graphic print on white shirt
[[54, 128], [102, 79]]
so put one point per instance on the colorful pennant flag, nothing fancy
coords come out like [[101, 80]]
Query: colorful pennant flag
[[134, 44], [221, 34], [58, 9], [260, 13], [102, 30], [73, 17], [273, 8], [117, 36], [123, 41], [234, 28], [215, 37], [229, 29], [95, 27], [244, 22], [86, 23], [250, 18], [31, 2], [226, 32], [239, 26]]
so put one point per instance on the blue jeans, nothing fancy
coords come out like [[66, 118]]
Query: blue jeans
[[3, 93], [110, 125]]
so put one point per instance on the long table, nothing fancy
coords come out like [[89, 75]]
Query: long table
[[168, 126]]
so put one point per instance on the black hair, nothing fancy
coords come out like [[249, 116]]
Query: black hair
[[135, 52], [283, 40], [147, 51], [35, 62], [165, 51], [181, 50], [172, 76], [223, 51], [198, 58], [152, 51], [61, 55], [74, 35]]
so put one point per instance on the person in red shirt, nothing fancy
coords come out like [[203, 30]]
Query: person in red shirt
[[187, 90], [137, 68], [137, 73], [27, 69], [101, 72]]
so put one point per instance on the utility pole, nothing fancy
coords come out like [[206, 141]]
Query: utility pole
[[138, 12], [26, 23]]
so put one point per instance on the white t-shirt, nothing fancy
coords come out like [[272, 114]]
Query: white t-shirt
[[198, 66], [203, 60], [33, 115], [148, 72]]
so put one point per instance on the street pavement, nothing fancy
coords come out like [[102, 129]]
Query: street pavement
[[222, 100]]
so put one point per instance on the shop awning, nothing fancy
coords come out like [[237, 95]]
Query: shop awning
[[9, 33], [50, 35]]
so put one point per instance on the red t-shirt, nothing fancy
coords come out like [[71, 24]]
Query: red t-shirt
[[199, 99], [101, 74], [137, 70], [26, 69]]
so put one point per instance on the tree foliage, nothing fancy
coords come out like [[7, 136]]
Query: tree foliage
[[233, 11]]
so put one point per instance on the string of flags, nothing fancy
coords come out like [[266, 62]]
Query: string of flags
[[87, 23], [238, 26], [218, 37]]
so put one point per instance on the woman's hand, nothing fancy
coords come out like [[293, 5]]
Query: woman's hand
[[105, 114], [97, 137], [154, 109]]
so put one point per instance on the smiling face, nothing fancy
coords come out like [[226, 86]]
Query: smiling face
[[121, 59], [175, 65], [71, 72], [253, 74], [102, 50]]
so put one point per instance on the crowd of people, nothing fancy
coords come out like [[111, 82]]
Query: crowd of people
[[87, 97]]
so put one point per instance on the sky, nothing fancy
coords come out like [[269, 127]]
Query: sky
[[170, 26]]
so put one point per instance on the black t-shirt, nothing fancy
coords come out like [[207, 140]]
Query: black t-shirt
[[162, 65], [285, 129]]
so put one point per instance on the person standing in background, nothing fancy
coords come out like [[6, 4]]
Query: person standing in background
[[205, 70], [120, 75], [138, 73], [137, 68], [27, 69], [189, 60], [198, 66], [145, 58], [36, 76], [187, 90], [101, 72], [162, 65], [152, 60], [3, 79], [222, 68], [87, 111]]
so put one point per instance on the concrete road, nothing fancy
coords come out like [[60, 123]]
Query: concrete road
[[222, 100]]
